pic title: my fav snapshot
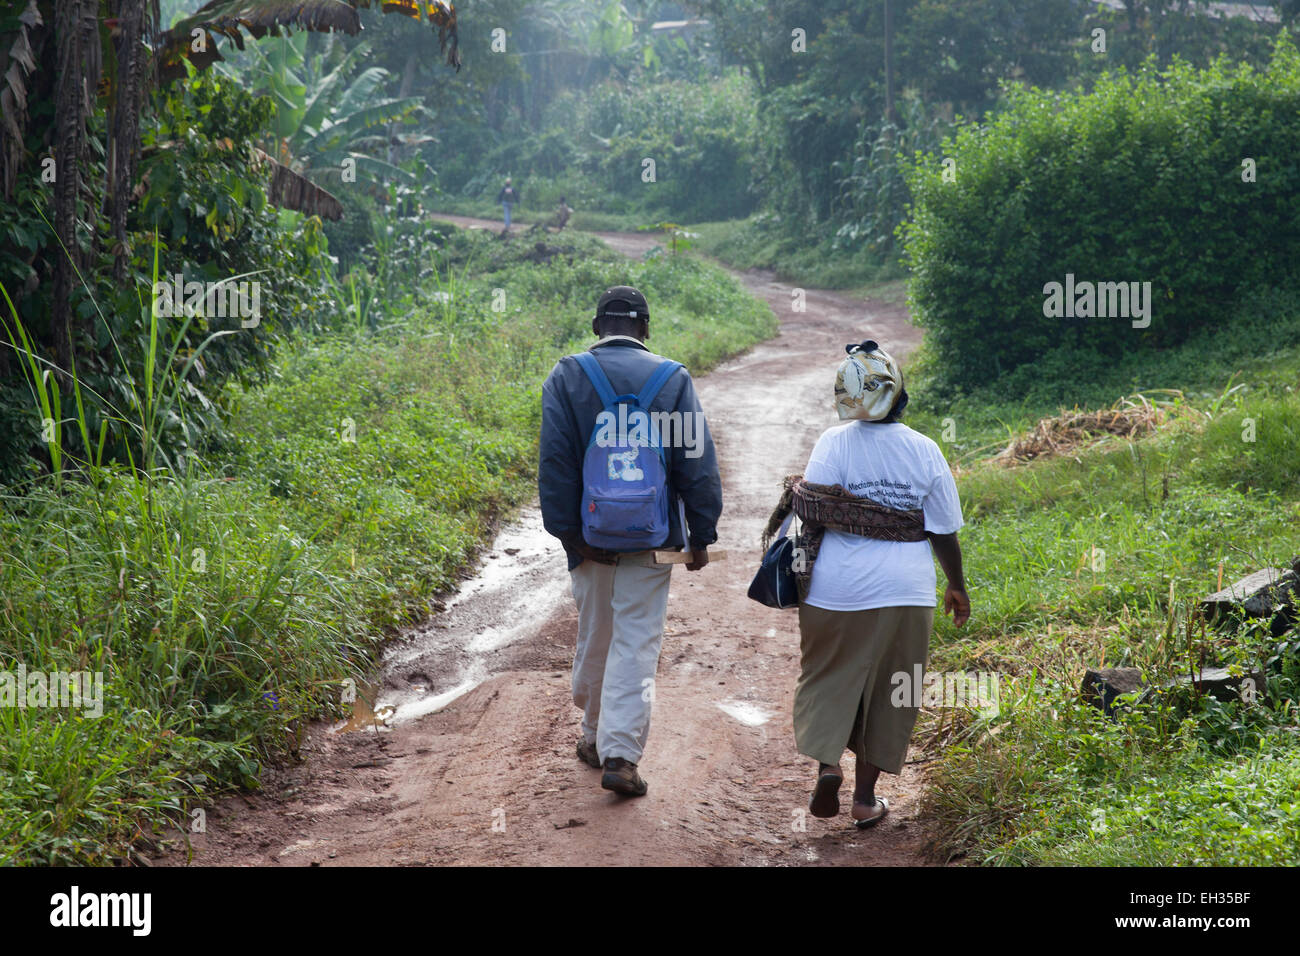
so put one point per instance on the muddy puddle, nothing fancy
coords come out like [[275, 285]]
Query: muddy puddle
[[521, 579]]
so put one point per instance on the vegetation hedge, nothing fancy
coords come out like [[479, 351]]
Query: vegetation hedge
[[1139, 180]]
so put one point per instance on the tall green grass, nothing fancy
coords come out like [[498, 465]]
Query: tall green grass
[[213, 634], [762, 242]]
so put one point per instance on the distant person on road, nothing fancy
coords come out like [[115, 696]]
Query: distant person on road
[[613, 496], [507, 198], [562, 214], [877, 499]]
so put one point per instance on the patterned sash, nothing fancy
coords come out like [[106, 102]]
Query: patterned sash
[[831, 506]]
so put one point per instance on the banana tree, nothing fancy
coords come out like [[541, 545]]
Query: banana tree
[[80, 56], [326, 116]]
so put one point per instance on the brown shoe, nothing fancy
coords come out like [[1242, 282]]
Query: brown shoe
[[587, 754], [620, 776]]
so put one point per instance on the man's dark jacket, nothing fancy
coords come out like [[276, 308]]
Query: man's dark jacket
[[569, 409]]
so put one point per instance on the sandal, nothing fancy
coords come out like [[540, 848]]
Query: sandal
[[870, 822], [825, 801]]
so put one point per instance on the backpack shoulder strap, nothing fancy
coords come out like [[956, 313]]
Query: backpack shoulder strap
[[599, 380], [650, 390]]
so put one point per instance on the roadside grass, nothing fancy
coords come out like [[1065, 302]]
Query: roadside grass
[[229, 599], [758, 243], [216, 632], [1097, 558], [1256, 351], [486, 209], [889, 291], [583, 220], [595, 221]]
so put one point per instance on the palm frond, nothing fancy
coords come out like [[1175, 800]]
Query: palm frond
[[258, 18], [376, 169], [349, 126]]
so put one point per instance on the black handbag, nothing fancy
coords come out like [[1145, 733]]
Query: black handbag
[[774, 585]]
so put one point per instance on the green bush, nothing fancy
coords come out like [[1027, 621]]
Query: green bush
[[350, 237], [1140, 180]]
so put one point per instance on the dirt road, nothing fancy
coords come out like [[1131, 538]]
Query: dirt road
[[476, 765]]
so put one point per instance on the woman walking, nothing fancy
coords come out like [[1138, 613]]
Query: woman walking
[[877, 499]]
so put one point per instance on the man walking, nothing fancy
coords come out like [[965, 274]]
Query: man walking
[[612, 500], [507, 198]]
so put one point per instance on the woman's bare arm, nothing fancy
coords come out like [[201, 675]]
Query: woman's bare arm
[[955, 599]]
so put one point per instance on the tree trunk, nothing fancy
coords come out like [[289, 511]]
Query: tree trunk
[[889, 61], [70, 110], [1131, 10], [124, 143], [408, 82]]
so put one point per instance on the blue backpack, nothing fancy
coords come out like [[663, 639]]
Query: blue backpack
[[624, 476]]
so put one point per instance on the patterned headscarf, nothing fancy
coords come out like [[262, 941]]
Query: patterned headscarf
[[869, 385]]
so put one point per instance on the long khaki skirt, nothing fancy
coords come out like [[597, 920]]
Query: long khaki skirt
[[849, 669]]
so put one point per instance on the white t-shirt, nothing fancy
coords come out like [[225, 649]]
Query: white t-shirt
[[894, 466]]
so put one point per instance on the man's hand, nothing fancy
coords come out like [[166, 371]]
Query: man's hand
[[700, 557], [957, 603], [588, 553]]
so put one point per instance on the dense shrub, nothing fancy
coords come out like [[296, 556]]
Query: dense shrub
[[1140, 180]]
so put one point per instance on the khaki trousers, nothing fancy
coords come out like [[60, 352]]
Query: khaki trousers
[[621, 613], [848, 667]]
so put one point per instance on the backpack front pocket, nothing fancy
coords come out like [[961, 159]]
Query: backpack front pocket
[[628, 516]]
